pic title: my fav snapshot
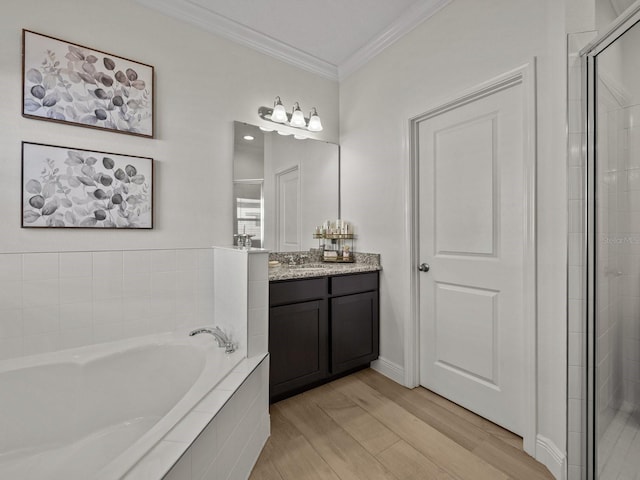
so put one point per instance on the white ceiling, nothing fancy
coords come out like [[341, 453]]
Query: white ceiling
[[329, 37]]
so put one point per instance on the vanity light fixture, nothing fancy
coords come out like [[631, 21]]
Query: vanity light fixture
[[296, 118], [249, 137]]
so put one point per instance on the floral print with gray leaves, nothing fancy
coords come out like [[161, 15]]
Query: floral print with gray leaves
[[89, 90], [89, 192]]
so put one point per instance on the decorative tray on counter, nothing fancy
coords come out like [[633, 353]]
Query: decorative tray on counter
[[334, 236], [351, 259]]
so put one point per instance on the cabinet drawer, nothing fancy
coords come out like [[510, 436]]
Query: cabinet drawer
[[347, 284], [281, 293]]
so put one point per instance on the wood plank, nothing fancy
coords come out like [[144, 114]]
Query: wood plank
[[368, 431], [462, 412], [480, 422], [264, 469], [427, 440], [409, 464], [442, 419], [338, 431], [291, 454], [339, 450], [516, 463]]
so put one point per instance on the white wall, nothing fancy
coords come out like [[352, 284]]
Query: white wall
[[203, 83], [467, 43]]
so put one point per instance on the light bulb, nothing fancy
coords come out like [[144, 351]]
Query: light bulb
[[279, 113], [248, 137], [315, 125], [297, 117]]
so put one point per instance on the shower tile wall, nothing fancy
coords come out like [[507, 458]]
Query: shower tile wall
[[52, 301], [576, 405]]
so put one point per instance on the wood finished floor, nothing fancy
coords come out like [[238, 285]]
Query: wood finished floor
[[367, 427]]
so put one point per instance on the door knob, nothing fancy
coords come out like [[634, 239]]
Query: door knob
[[424, 267]]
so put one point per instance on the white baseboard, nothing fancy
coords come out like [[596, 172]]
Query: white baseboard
[[389, 369], [551, 457]]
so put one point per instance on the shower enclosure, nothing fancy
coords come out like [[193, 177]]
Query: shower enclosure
[[612, 81]]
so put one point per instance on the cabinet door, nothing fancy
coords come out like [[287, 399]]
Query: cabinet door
[[298, 345], [354, 331]]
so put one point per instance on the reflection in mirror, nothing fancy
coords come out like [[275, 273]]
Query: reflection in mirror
[[283, 188]]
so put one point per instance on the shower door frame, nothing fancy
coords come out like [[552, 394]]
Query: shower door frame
[[589, 63]]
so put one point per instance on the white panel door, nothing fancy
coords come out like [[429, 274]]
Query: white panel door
[[288, 210], [471, 161]]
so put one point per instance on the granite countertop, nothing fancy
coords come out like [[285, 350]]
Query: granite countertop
[[302, 265]]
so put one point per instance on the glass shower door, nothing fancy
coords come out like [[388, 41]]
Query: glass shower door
[[615, 331]]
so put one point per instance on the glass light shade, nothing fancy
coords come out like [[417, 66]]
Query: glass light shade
[[279, 114], [315, 125], [297, 117]]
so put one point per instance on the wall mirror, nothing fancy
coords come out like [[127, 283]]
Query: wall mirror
[[283, 188]]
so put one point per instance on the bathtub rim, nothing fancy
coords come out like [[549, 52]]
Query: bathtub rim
[[170, 457]]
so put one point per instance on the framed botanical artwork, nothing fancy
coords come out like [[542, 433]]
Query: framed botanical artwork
[[72, 187], [69, 83]]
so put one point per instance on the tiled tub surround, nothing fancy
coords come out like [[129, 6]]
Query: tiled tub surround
[[307, 265], [232, 425], [53, 301], [86, 298], [242, 291]]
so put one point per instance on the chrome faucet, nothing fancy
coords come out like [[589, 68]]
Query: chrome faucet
[[219, 335]]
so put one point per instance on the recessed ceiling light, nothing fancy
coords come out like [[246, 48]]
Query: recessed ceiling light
[[248, 137]]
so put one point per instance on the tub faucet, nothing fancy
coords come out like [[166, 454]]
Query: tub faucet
[[219, 335]]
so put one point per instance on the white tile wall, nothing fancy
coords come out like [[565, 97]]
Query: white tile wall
[[576, 439], [51, 301], [242, 296]]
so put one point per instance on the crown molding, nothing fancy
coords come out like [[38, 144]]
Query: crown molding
[[204, 18], [409, 20], [191, 12]]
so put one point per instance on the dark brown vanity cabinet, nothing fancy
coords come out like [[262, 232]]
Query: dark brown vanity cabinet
[[354, 332], [320, 328]]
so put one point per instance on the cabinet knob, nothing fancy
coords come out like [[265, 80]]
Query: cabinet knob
[[424, 267]]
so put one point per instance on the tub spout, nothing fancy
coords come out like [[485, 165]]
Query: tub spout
[[219, 335]]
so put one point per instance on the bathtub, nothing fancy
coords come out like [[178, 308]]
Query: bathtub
[[94, 412]]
